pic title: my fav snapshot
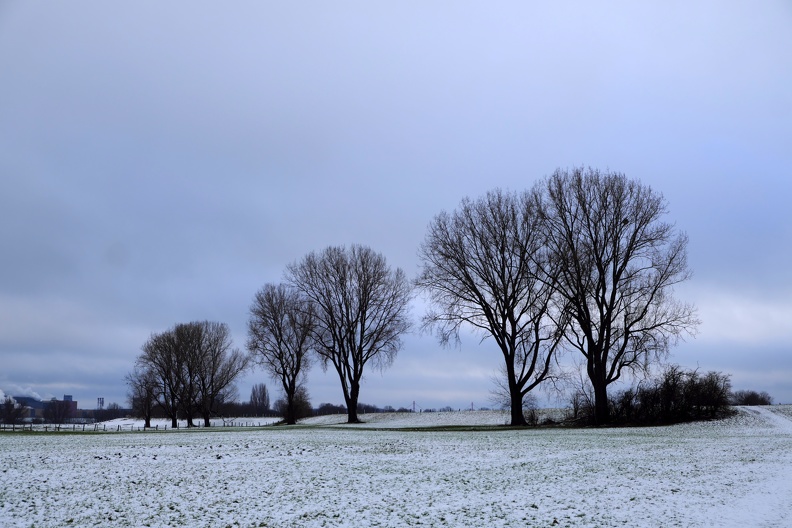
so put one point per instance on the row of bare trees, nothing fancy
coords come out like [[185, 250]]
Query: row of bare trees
[[344, 307], [582, 261], [187, 371]]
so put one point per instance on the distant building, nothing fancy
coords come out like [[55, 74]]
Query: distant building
[[72, 405], [36, 407]]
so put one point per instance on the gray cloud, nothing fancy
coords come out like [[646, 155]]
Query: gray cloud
[[161, 163]]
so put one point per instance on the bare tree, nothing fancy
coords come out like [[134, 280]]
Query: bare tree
[[195, 367], [259, 399], [142, 394], [12, 411], [219, 366], [301, 405], [619, 263], [485, 266], [279, 334], [361, 312], [188, 340], [57, 411], [161, 354], [751, 397]]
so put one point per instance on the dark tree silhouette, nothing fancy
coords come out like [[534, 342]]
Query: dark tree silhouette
[[619, 263], [219, 367], [751, 397], [12, 412], [485, 265], [57, 411], [195, 368], [360, 307], [259, 399], [142, 394], [301, 405], [279, 335]]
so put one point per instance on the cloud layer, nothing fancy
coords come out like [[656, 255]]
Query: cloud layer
[[160, 163]]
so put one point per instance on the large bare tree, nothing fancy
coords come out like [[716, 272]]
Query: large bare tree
[[361, 307], [484, 266], [279, 335], [619, 264], [219, 366], [142, 394], [161, 355]]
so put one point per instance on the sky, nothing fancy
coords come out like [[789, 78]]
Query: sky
[[161, 162]]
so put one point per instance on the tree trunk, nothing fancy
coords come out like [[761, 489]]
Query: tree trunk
[[517, 416], [601, 409], [352, 403], [290, 415]]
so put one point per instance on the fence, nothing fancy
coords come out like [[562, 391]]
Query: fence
[[118, 428]]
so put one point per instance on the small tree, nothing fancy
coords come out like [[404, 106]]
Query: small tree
[[279, 335], [219, 366], [259, 399], [751, 397], [142, 393], [12, 412], [300, 405], [113, 411], [57, 411], [360, 306]]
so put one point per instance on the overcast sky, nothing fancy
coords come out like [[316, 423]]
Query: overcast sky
[[161, 161]]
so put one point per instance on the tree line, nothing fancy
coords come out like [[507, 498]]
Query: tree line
[[188, 370], [583, 262]]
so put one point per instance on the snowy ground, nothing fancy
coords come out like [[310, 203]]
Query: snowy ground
[[720, 474]]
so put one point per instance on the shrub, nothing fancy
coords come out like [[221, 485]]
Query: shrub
[[676, 396], [750, 397]]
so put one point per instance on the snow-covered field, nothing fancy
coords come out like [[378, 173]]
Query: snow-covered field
[[737, 472]]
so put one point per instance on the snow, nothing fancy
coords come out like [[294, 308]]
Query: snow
[[401, 470]]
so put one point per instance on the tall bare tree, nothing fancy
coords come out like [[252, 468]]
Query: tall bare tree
[[485, 266], [188, 345], [142, 394], [219, 367], [259, 399], [619, 263], [279, 334], [361, 309], [160, 354]]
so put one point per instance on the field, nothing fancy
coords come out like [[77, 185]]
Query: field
[[405, 470]]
